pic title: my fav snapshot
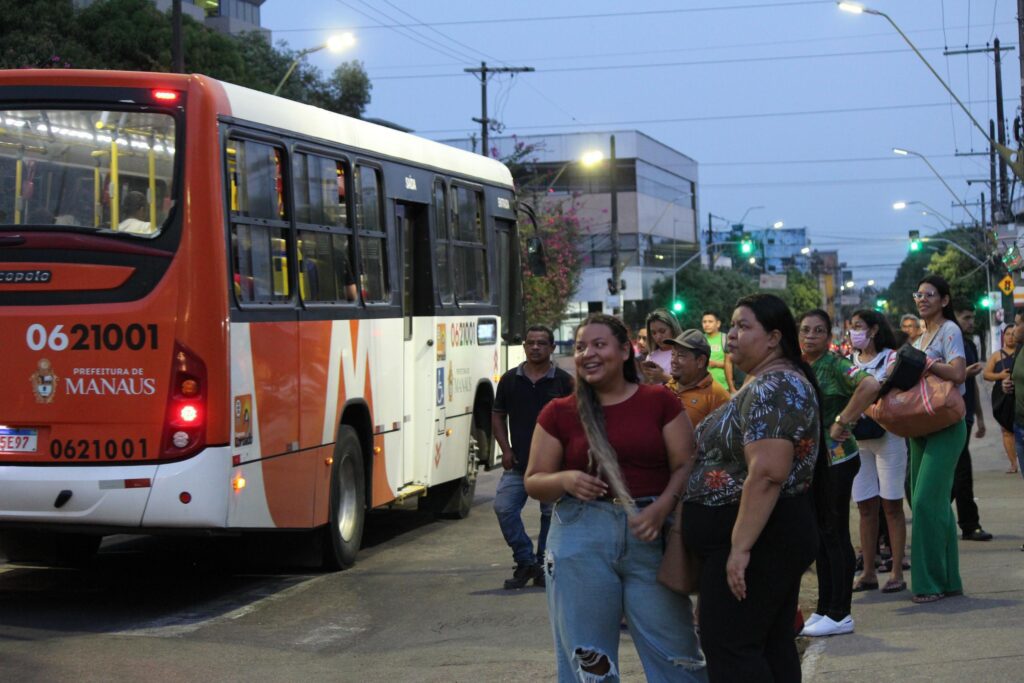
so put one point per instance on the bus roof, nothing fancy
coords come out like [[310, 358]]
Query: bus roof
[[287, 115], [284, 114]]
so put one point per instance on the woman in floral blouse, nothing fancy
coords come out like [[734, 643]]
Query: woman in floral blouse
[[749, 511]]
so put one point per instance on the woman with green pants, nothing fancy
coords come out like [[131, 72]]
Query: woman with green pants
[[935, 573]]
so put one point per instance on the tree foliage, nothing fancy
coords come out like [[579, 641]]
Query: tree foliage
[[546, 297], [133, 35]]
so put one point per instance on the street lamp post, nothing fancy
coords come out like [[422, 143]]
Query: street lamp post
[[613, 183], [905, 152], [334, 44], [899, 206], [1016, 165]]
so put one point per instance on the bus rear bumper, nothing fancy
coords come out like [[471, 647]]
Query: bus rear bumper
[[192, 493]]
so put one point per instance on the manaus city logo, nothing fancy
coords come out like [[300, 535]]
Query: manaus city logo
[[44, 382]]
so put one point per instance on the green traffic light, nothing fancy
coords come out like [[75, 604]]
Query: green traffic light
[[915, 245], [678, 306], [746, 246], [985, 303]]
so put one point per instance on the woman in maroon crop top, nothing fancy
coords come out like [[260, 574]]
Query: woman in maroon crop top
[[615, 457]]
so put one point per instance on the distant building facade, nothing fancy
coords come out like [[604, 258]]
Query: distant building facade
[[227, 16], [775, 250], [656, 192]]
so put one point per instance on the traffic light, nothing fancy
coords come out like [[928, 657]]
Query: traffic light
[[881, 305], [678, 306], [985, 303], [746, 245], [915, 240]]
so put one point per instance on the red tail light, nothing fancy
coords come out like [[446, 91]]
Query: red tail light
[[185, 422], [165, 95]]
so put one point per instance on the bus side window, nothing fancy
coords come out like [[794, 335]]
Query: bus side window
[[259, 228], [373, 253], [325, 244], [469, 253], [444, 275]]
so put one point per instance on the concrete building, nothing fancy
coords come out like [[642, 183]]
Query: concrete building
[[227, 16], [656, 192]]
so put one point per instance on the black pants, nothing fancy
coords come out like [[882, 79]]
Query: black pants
[[753, 640], [836, 561], [963, 489]]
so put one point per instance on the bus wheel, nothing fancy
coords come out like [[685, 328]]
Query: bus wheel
[[344, 532]]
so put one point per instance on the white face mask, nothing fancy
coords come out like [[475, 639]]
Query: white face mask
[[859, 339]]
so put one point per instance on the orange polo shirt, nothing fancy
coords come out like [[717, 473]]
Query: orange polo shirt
[[701, 399]]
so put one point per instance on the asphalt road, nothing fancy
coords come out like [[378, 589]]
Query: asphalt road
[[423, 603]]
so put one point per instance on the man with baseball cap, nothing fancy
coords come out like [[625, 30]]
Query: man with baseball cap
[[691, 382]]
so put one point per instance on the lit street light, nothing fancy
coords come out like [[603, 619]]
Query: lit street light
[[899, 206], [777, 224], [591, 157], [1016, 165], [334, 44], [908, 152]]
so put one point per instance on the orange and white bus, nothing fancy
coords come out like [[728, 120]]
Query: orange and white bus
[[224, 311]]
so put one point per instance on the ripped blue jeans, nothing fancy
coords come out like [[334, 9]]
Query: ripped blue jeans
[[598, 572]]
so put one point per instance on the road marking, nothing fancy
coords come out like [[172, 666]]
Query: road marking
[[188, 621]]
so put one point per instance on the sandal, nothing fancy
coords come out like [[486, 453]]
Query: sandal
[[894, 586], [862, 586], [885, 566], [927, 597]]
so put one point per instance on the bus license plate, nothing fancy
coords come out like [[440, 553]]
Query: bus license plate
[[18, 440]]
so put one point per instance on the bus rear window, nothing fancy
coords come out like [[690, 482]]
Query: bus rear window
[[95, 170]]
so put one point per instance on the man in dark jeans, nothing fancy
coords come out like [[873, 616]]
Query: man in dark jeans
[[522, 392], [963, 478]]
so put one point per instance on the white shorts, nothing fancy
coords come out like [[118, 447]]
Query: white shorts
[[883, 468]]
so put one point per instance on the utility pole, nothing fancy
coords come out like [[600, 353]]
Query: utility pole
[[1020, 53], [177, 44], [1004, 192], [992, 169], [484, 70]]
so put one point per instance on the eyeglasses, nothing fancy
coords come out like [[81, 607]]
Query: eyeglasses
[[808, 331], [924, 295]]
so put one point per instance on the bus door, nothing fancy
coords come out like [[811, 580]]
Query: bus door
[[423, 391]]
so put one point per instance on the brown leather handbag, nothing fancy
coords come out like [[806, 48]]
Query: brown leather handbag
[[928, 406], [679, 570]]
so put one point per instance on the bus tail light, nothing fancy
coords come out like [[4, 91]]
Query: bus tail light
[[185, 422], [165, 95]]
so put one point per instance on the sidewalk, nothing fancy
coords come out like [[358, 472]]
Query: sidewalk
[[974, 638]]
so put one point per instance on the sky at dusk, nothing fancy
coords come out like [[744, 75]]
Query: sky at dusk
[[790, 105]]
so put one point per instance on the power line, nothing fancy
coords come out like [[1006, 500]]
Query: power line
[[570, 17], [699, 62], [834, 181], [717, 117]]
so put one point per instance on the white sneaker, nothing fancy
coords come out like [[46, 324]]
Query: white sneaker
[[828, 627], [813, 619]]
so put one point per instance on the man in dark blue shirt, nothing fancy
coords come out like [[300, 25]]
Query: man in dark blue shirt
[[522, 392], [963, 478]]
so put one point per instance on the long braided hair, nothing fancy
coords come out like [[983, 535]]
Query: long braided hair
[[592, 414], [773, 314]]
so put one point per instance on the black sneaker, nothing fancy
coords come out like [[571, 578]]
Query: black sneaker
[[539, 579], [521, 576], [978, 534]]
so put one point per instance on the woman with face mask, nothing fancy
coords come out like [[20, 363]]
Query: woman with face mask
[[883, 459], [846, 392]]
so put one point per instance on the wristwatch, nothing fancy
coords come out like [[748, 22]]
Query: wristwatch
[[845, 425]]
